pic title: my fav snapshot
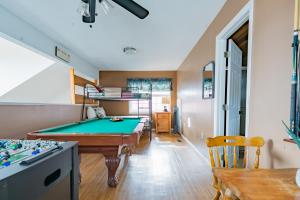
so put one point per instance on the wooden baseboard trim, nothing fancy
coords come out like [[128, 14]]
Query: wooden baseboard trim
[[195, 149]]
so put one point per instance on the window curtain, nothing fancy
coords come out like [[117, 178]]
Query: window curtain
[[157, 84]]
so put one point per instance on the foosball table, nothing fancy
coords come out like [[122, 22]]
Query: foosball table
[[38, 169]]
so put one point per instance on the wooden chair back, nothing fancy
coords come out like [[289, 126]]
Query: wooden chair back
[[222, 142]]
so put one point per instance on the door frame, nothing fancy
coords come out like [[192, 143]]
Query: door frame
[[245, 14]]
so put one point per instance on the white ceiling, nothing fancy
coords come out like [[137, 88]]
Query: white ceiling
[[163, 39]]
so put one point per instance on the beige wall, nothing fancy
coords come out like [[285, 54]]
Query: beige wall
[[194, 108], [16, 120], [270, 82], [119, 79]]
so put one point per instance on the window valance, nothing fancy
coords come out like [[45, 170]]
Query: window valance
[[145, 84]]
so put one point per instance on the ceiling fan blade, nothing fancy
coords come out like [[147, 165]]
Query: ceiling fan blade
[[133, 7]]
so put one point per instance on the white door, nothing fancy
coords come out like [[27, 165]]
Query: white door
[[233, 95]]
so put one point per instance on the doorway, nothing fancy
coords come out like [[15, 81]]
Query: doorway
[[236, 82], [233, 75], [236, 88]]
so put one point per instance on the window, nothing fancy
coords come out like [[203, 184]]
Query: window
[[161, 99], [161, 95], [158, 103], [134, 105]]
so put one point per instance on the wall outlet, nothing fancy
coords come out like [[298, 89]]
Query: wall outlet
[[202, 135], [189, 122]]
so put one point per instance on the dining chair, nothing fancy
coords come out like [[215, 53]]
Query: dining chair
[[227, 145]]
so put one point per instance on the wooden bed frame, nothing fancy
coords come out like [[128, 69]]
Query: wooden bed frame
[[80, 81]]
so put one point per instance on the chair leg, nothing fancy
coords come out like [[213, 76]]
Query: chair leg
[[217, 196]]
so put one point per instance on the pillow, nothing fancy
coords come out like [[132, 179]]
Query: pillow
[[91, 114], [100, 112]]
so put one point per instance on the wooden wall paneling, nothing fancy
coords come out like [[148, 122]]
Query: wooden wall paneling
[[119, 79], [80, 81], [79, 100], [72, 85]]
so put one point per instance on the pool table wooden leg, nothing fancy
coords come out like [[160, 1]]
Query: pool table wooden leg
[[128, 150], [112, 163], [131, 149]]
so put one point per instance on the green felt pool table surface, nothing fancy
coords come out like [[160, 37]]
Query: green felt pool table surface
[[97, 126]]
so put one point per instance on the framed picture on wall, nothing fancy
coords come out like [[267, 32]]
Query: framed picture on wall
[[208, 81]]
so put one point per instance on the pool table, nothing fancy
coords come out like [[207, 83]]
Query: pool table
[[99, 136]]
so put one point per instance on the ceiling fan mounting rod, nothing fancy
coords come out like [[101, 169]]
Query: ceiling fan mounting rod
[[92, 10]]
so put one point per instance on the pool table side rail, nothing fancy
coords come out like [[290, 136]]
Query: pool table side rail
[[89, 140], [93, 139], [56, 127], [143, 120]]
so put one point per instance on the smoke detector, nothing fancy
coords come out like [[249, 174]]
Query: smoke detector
[[129, 50]]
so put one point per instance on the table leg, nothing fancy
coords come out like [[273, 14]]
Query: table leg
[[217, 195], [131, 150], [128, 150], [79, 156], [112, 163]]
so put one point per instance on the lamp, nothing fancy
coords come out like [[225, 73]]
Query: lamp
[[165, 101]]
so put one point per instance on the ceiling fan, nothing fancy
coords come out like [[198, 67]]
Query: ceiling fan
[[88, 8]]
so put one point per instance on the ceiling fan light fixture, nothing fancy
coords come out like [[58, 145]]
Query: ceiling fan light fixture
[[106, 6], [130, 50], [84, 9], [87, 9]]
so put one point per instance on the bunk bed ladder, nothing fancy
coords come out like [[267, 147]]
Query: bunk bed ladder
[[150, 113], [83, 104]]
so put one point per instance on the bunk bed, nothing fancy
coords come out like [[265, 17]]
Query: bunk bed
[[100, 94]]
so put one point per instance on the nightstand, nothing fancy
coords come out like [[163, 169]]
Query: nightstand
[[163, 122]]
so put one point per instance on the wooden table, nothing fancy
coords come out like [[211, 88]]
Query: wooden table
[[258, 183]]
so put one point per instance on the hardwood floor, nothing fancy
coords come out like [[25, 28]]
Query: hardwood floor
[[164, 169]]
